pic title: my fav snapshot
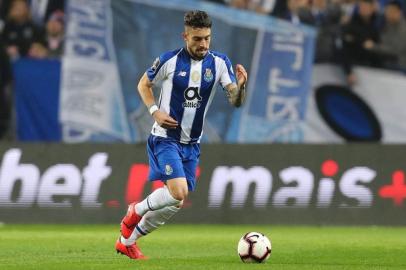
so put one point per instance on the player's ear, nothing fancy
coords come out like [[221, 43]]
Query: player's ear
[[184, 35]]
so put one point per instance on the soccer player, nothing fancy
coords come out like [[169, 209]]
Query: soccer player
[[188, 77]]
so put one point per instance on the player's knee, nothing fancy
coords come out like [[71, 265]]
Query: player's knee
[[179, 193], [178, 188]]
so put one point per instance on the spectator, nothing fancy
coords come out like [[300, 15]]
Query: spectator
[[348, 9], [240, 4], [261, 6], [328, 20], [402, 3], [298, 11], [318, 10], [4, 7], [55, 34], [42, 10], [392, 48], [19, 30], [363, 27], [258, 6], [280, 8]]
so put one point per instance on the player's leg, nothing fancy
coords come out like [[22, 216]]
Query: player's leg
[[190, 163], [151, 221], [151, 218], [165, 164], [158, 199], [156, 217], [166, 206], [179, 189]]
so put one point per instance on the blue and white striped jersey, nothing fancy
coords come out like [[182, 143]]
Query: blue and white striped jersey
[[188, 87]]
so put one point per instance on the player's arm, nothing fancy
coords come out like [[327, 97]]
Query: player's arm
[[147, 96], [236, 91]]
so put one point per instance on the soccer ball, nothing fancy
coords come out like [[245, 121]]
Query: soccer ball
[[254, 247]]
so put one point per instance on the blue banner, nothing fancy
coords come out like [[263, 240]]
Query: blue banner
[[36, 99], [279, 88], [92, 106]]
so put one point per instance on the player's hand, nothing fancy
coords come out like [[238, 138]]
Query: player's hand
[[242, 75], [164, 120]]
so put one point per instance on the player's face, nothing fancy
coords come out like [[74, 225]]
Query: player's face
[[197, 41]]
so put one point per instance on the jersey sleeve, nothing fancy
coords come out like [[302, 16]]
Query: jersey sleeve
[[227, 75], [157, 72]]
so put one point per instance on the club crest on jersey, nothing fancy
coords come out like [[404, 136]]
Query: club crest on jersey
[[168, 169], [192, 98], [208, 75]]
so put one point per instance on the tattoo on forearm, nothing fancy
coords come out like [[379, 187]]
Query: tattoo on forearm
[[236, 95]]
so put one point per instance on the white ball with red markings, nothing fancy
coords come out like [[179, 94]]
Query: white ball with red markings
[[254, 247]]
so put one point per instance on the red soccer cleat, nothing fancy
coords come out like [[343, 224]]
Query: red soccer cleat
[[133, 251], [129, 221]]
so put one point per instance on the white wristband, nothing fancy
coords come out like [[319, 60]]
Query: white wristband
[[153, 109]]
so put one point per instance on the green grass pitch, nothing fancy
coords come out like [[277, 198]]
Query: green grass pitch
[[201, 247]]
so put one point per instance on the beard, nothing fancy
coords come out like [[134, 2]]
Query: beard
[[198, 54]]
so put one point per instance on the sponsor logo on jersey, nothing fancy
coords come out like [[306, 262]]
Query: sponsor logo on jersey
[[182, 73], [192, 98]]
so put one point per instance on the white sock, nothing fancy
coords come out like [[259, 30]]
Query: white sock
[[150, 222], [158, 199]]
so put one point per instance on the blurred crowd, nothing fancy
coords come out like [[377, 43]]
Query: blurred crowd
[[28, 28], [32, 28], [350, 32]]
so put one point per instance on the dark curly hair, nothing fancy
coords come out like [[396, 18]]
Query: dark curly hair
[[197, 19]]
